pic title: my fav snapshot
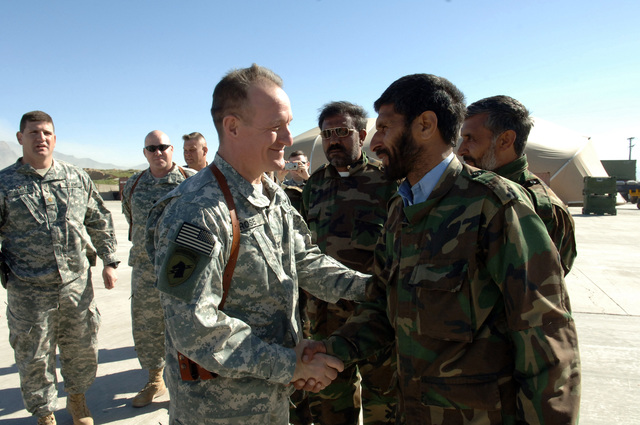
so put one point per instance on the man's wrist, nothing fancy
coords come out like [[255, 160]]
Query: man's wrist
[[338, 347]]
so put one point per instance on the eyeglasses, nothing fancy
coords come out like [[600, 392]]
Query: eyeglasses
[[338, 131], [153, 148]]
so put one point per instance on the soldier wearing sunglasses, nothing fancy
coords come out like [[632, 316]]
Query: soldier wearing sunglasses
[[140, 192], [344, 203]]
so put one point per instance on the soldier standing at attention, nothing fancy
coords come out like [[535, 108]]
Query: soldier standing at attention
[[236, 328], [139, 194], [45, 206], [494, 135], [467, 283], [345, 206]]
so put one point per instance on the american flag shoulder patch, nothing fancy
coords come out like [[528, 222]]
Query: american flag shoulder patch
[[195, 238]]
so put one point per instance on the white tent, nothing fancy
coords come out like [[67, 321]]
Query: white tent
[[559, 156]]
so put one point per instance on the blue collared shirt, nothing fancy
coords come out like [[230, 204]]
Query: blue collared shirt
[[420, 191]]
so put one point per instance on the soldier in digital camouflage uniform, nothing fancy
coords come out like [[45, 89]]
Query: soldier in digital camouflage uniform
[[139, 194], [467, 283], [345, 206], [252, 345], [494, 135], [45, 206]]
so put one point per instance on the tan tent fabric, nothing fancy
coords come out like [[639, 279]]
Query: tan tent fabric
[[559, 156], [566, 155]]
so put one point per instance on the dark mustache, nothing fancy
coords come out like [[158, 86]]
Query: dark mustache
[[335, 148]]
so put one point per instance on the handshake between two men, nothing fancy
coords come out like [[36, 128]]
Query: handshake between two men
[[315, 370]]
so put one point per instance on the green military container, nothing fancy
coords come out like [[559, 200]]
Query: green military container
[[599, 195]]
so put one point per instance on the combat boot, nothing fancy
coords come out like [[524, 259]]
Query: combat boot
[[154, 388], [77, 406], [49, 419]]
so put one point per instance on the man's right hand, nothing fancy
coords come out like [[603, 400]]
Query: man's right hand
[[317, 370]]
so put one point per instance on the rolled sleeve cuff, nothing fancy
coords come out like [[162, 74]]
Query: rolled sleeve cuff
[[110, 258], [339, 347]]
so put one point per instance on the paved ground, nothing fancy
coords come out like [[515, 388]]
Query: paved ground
[[604, 293]]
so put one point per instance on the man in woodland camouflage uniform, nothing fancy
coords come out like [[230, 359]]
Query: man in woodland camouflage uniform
[[467, 283], [345, 206], [139, 194], [494, 135], [252, 344], [45, 208]]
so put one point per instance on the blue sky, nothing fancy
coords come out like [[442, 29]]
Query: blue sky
[[110, 72]]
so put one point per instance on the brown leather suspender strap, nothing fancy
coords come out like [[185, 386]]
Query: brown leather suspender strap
[[190, 370], [235, 241]]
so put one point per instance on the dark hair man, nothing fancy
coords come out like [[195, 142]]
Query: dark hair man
[[345, 206], [45, 208], [253, 344], [467, 283], [195, 150], [494, 135]]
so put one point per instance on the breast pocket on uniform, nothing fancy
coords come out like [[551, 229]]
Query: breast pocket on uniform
[[75, 199], [24, 206], [442, 294]]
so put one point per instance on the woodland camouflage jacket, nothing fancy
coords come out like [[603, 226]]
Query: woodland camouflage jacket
[[469, 287]]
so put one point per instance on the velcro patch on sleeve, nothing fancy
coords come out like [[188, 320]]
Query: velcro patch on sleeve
[[195, 238], [188, 257]]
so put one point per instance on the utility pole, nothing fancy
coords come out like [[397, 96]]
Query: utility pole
[[630, 139]]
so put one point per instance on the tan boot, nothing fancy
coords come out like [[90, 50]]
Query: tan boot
[[49, 419], [154, 388], [77, 406]]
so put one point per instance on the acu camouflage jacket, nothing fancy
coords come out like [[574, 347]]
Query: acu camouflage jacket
[[248, 344], [43, 222], [136, 206], [469, 287]]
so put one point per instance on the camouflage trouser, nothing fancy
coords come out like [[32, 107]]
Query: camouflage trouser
[[147, 318], [41, 317], [340, 402], [279, 416]]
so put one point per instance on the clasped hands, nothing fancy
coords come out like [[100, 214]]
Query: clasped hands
[[315, 369]]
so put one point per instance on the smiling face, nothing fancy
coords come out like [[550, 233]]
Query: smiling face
[[394, 143], [263, 131], [38, 141]]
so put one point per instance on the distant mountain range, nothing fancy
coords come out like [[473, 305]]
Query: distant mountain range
[[10, 152]]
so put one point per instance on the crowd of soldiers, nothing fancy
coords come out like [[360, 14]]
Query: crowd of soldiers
[[422, 287]]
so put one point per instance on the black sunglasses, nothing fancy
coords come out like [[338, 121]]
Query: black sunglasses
[[153, 148], [338, 131]]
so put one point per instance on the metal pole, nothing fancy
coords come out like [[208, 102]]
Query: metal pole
[[630, 139]]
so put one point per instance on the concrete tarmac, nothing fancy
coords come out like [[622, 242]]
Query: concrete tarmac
[[604, 296]]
